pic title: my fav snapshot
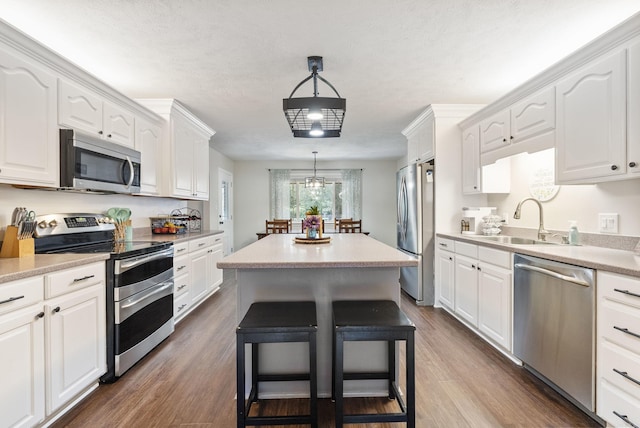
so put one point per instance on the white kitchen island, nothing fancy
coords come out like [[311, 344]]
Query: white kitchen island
[[350, 267]]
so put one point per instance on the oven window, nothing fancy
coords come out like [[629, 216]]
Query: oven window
[[143, 323], [99, 167]]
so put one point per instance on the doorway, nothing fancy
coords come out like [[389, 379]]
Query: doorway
[[225, 208]]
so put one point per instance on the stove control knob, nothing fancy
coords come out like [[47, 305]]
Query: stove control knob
[[42, 224], [53, 223]]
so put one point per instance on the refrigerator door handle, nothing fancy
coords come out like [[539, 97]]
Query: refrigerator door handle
[[403, 209]]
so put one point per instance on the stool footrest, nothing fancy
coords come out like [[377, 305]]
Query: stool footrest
[[278, 420], [283, 377], [365, 375], [375, 417]]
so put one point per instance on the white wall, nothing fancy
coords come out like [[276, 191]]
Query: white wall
[[573, 202], [48, 202], [209, 209], [251, 196]]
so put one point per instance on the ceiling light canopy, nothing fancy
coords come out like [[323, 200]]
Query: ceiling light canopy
[[315, 117], [314, 182]]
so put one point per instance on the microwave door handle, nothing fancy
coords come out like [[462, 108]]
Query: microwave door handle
[[131, 171]]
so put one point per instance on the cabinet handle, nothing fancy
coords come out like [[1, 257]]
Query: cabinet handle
[[180, 287], [210, 251], [626, 292], [40, 315], [632, 164], [83, 278], [181, 267], [625, 418], [181, 250], [181, 307], [442, 244], [614, 167], [56, 309], [201, 244], [11, 299], [626, 376], [626, 330]]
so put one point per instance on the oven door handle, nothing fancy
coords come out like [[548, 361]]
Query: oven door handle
[[126, 265], [132, 172], [153, 294]]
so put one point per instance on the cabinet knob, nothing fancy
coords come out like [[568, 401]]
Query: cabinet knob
[[511, 138], [479, 268], [450, 258], [56, 309], [100, 132], [504, 140], [473, 266], [632, 164], [475, 187], [109, 136], [614, 167], [40, 315]]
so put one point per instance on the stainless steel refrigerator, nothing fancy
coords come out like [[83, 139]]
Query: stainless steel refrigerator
[[415, 228]]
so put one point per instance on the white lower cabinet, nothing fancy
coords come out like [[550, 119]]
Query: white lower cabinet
[[196, 276], [618, 349], [445, 272], [52, 342], [475, 283]]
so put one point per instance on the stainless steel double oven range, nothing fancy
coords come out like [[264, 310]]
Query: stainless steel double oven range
[[139, 283]]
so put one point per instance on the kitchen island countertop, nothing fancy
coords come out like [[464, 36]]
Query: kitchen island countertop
[[345, 250]]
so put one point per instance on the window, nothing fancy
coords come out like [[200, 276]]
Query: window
[[327, 198], [341, 196]]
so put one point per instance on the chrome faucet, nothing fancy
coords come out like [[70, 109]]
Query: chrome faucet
[[542, 232]]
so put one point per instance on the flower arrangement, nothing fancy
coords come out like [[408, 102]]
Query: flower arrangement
[[311, 222], [313, 210]]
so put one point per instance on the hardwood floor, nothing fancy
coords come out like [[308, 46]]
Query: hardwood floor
[[189, 381]]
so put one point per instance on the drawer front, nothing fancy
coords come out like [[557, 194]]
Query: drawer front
[[617, 407], [180, 249], [620, 367], [445, 244], [619, 324], [469, 250], [181, 284], [620, 288], [181, 265], [73, 279], [495, 257], [21, 293], [200, 243], [181, 305]]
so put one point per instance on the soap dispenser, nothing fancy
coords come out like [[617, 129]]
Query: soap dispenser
[[574, 235]]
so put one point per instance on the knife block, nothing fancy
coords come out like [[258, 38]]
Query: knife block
[[14, 247]]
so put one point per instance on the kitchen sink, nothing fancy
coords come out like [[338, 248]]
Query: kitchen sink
[[515, 240]]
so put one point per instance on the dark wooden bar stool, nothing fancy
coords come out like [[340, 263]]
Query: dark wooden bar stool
[[377, 320], [275, 322]]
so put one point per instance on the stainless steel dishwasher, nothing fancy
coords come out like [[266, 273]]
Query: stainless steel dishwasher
[[554, 325]]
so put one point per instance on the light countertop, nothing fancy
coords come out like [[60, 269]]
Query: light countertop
[[40, 264], [607, 259], [144, 233], [344, 250]]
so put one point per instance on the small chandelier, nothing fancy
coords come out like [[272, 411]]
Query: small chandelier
[[315, 117], [314, 182]]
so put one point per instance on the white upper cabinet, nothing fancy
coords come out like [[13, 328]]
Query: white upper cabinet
[[471, 160], [185, 150], [81, 109], [420, 137], [526, 126], [148, 142], [591, 134], [633, 109], [29, 148]]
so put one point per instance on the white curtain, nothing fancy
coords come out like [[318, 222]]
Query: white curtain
[[280, 193], [352, 193]]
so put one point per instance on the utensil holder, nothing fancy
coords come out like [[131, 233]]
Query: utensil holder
[[13, 247]]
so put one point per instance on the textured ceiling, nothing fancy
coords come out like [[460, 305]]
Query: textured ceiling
[[232, 62]]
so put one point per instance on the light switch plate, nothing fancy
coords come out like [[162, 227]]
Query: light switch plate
[[608, 223]]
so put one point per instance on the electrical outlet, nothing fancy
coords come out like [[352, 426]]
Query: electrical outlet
[[608, 223]]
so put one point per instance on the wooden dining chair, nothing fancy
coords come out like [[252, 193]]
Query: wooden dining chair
[[277, 226], [338, 220], [288, 220], [350, 226]]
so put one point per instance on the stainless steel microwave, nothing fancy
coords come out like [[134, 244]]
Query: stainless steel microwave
[[91, 164]]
